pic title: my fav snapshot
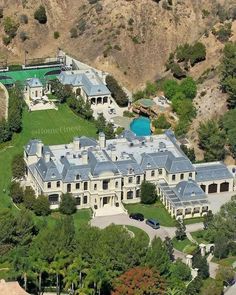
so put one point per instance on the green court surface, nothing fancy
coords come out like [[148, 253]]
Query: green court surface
[[43, 74]]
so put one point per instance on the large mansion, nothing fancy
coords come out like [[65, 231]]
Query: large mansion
[[110, 172]]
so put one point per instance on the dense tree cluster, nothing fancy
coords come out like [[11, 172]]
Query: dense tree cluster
[[10, 28], [212, 140], [228, 74], [223, 33], [103, 126], [148, 192], [185, 56], [82, 259], [80, 107], [117, 92], [161, 122], [181, 95], [15, 109], [18, 166], [228, 123], [67, 204]]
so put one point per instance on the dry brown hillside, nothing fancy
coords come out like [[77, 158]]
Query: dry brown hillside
[[131, 39]]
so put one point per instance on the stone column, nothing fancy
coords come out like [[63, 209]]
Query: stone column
[[189, 260], [203, 249]]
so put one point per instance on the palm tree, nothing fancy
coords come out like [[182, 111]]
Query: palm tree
[[39, 266], [98, 277], [57, 267], [21, 264], [73, 274]]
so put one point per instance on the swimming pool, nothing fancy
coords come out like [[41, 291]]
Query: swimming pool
[[141, 126]]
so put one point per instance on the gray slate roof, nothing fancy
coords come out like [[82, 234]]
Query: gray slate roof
[[188, 190], [166, 160], [31, 147], [210, 172], [92, 84], [34, 82]]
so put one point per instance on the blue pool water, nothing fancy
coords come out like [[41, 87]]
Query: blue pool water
[[141, 126]]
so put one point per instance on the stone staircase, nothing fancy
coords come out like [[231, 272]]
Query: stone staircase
[[108, 210]]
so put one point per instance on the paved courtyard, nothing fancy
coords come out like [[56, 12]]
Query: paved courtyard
[[217, 200]]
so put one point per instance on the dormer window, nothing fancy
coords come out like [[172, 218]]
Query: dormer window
[[152, 173], [190, 175], [77, 177]]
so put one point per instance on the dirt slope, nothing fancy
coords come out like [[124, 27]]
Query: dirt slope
[[131, 39]]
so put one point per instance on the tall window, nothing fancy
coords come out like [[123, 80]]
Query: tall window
[[68, 187], [137, 193], [138, 179], [78, 201], [130, 195], [95, 186], [116, 184], [49, 185], [152, 173], [85, 199], [130, 180], [58, 184], [173, 177], [105, 184], [77, 185], [181, 176], [85, 186]]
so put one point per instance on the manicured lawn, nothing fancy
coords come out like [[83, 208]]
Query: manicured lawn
[[193, 220], [82, 217], [185, 245], [225, 261], [199, 236], [155, 211], [139, 232], [53, 127]]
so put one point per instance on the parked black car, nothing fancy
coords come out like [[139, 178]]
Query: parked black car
[[153, 223], [137, 216]]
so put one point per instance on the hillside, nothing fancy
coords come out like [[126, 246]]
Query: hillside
[[131, 39]]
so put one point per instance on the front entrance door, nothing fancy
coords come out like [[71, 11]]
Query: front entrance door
[[106, 200]]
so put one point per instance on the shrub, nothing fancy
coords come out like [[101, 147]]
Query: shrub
[[10, 27], [223, 33], [24, 19], [56, 35], [1, 12], [29, 198], [42, 206], [170, 87], [16, 192], [82, 26], [161, 122], [23, 36], [40, 15], [18, 166], [117, 47], [68, 204], [73, 33], [148, 192], [116, 90], [189, 88], [6, 40]]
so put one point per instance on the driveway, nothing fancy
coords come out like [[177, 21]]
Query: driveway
[[217, 200], [123, 219]]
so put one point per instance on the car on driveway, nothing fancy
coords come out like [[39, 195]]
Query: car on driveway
[[137, 216], [153, 223]]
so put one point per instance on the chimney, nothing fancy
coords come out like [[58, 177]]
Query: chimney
[[113, 154], [39, 146], [84, 157], [102, 140], [47, 157], [76, 144]]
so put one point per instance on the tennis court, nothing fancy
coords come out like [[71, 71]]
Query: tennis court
[[43, 74]]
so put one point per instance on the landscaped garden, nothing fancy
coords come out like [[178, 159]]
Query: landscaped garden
[[184, 245], [52, 127]]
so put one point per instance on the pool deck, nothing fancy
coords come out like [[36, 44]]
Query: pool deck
[[122, 121]]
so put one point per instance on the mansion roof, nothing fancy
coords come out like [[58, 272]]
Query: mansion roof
[[87, 79]]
